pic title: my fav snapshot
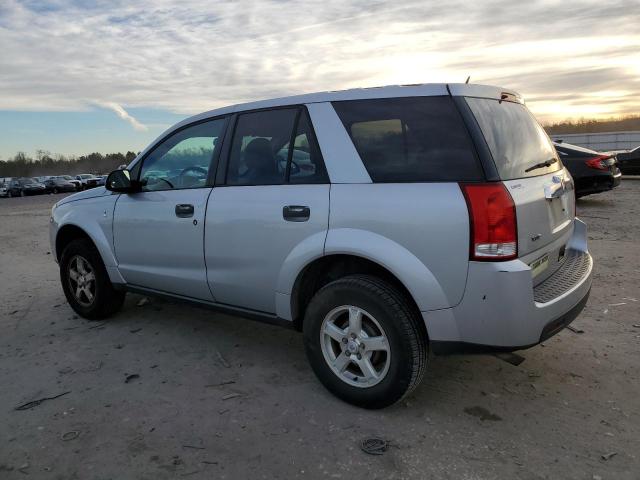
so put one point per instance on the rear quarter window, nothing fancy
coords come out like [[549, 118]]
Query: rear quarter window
[[410, 139]]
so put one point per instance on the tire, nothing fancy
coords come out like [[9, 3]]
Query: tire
[[55, 190], [9, 194], [22, 194], [384, 310], [106, 300]]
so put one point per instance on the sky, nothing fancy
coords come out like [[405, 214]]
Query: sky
[[78, 76]]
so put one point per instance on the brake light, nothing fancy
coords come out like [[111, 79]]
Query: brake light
[[601, 162], [492, 218]]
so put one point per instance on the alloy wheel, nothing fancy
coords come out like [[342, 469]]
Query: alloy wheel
[[355, 346], [82, 280]]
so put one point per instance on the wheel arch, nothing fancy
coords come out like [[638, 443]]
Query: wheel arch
[[67, 234], [71, 231], [328, 268]]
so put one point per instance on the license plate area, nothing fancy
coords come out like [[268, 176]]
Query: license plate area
[[539, 265]]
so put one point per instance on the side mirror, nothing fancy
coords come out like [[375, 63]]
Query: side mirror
[[120, 181]]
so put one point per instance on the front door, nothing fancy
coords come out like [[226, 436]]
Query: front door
[[273, 204], [158, 233]]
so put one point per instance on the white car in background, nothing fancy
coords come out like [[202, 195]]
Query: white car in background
[[4, 187], [87, 180]]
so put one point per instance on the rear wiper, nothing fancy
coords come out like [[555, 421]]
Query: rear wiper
[[546, 163]]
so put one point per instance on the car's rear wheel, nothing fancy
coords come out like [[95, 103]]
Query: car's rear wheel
[[86, 283], [365, 341], [55, 190], [22, 194]]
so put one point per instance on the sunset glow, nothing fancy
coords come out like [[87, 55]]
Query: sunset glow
[[568, 59]]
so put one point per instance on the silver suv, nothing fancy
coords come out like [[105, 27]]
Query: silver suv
[[385, 224]]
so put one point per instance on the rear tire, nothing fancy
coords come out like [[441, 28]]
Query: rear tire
[[86, 283], [378, 366]]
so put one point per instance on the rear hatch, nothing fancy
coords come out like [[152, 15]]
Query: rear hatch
[[541, 188]]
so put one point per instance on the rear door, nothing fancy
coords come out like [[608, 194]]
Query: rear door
[[158, 233], [540, 186], [273, 198]]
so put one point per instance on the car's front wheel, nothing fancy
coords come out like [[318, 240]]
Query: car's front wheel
[[86, 283], [364, 341]]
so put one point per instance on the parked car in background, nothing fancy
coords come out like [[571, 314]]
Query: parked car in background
[[69, 178], [20, 187], [592, 171], [87, 180], [629, 162], [57, 185], [102, 179], [4, 188], [385, 223]]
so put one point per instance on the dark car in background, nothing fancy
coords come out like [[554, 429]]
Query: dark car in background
[[20, 187], [57, 185], [592, 171], [69, 178], [629, 162]]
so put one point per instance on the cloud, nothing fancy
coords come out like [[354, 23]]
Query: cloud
[[123, 114], [196, 55]]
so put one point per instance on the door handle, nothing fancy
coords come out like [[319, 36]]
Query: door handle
[[296, 213], [184, 210]]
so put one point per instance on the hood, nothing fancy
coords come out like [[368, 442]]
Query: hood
[[93, 193]]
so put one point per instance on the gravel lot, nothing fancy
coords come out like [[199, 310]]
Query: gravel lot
[[223, 397]]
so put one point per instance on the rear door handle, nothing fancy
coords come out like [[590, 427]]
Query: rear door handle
[[184, 210], [296, 213]]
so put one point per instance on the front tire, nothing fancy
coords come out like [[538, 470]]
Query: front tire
[[365, 341], [86, 283]]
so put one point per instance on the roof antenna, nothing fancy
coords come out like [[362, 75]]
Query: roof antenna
[[468, 78]]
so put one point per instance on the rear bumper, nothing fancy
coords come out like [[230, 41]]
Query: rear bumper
[[502, 311], [597, 183]]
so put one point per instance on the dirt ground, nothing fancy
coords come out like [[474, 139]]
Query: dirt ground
[[218, 396]]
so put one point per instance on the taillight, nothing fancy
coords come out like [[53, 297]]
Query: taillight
[[601, 162], [492, 218]]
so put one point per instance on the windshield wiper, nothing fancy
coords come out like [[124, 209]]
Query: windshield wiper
[[546, 163]]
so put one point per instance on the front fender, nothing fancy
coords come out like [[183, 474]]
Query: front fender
[[414, 275], [94, 216]]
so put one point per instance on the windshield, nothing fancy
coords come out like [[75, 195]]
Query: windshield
[[518, 144], [86, 176]]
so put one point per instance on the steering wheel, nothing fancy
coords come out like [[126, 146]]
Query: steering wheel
[[196, 169], [295, 168]]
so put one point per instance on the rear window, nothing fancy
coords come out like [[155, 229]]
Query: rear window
[[516, 140], [410, 139]]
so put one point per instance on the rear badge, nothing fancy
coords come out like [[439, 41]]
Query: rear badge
[[535, 237]]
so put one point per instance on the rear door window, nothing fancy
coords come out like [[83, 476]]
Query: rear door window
[[257, 156], [410, 139], [518, 143], [262, 153]]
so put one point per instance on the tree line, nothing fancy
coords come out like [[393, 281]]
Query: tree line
[[44, 163], [590, 125]]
